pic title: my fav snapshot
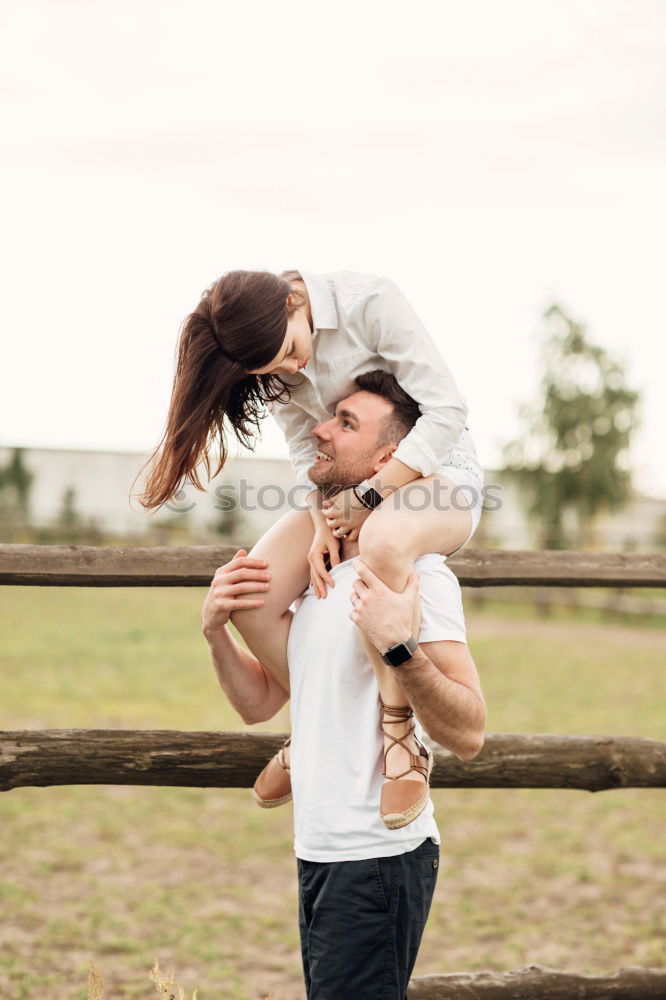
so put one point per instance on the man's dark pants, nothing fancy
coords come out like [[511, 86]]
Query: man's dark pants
[[361, 923]]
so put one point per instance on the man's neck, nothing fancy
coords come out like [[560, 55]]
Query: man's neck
[[348, 550]]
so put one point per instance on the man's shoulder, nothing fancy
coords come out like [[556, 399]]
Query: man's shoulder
[[443, 616], [433, 571], [434, 576], [343, 573]]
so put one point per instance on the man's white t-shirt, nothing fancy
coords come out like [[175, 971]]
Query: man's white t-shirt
[[336, 743]]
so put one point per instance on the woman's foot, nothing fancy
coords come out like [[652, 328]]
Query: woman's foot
[[407, 766], [273, 786]]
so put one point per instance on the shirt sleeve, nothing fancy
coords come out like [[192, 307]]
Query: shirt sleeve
[[442, 615], [297, 426], [399, 337]]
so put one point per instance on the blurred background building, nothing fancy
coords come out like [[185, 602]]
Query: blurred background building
[[53, 495]]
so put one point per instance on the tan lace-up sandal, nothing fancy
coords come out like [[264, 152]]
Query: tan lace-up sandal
[[273, 786], [402, 801]]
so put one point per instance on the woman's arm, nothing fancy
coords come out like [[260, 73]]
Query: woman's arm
[[297, 426], [392, 476], [399, 337], [395, 333]]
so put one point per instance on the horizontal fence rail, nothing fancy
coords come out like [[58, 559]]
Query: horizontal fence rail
[[536, 982], [233, 760], [194, 566]]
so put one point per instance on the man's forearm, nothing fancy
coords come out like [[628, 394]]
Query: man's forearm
[[251, 690], [452, 714]]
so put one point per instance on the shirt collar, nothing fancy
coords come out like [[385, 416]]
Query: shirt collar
[[322, 302]]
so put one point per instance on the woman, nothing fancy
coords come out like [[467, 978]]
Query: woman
[[293, 343]]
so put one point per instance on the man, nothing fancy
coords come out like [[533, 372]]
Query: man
[[364, 890]]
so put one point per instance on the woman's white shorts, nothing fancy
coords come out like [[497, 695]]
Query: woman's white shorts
[[470, 482]]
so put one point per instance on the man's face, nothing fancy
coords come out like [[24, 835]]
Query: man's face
[[348, 451]]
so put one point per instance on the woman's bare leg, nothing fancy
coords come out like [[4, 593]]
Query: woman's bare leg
[[393, 536], [265, 630]]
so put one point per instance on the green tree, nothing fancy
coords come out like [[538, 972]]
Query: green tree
[[229, 520], [69, 516], [574, 453], [15, 484]]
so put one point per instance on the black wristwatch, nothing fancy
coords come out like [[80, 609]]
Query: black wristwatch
[[401, 652], [368, 495]]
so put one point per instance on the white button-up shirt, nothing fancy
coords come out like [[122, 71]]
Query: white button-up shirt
[[362, 322]]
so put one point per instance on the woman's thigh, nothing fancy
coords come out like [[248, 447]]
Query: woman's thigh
[[468, 490], [430, 514], [266, 629], [285, 548]]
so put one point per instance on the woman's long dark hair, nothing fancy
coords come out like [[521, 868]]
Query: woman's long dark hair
[[240, 323]]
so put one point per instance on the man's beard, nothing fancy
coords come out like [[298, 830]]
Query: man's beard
[[337, 475]]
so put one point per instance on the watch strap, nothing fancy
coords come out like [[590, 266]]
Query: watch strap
[[368, 495]]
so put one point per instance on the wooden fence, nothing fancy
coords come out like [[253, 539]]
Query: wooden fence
[[232, 760]]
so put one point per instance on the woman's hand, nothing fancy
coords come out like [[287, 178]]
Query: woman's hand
[[241, 575], [345, 514], [324, 543]]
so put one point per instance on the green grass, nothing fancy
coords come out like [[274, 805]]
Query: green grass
[[205, 881]]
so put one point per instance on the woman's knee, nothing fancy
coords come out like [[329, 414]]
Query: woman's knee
[[284, 588], [382, 545], [249, 620]]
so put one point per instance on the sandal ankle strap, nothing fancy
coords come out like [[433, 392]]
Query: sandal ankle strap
[[403, 713], [280, 755]]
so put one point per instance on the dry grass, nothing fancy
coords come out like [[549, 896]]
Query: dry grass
[[206, 882], [166, 985]]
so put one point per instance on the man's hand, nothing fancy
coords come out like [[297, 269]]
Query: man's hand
[[386, 616], [241, 575]]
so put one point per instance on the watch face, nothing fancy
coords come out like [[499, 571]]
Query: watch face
[[373, 497], [398, 654], [401, 652]]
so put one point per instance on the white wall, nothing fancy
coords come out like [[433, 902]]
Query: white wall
[[102, 481]]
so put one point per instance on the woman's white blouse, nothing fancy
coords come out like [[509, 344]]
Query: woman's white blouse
[[362, 322]]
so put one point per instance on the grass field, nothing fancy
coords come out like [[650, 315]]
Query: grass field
[[205, 881]]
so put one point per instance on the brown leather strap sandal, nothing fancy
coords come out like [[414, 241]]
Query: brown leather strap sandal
[[403, 800], [273, 786]]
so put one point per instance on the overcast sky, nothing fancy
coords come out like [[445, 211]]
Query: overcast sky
[[490, 157]]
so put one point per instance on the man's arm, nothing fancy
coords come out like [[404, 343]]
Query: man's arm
[[252, 691], [442, 686], [440, 681]]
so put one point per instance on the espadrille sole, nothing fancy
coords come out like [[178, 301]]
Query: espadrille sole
[[394, 821], [271, 803]]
